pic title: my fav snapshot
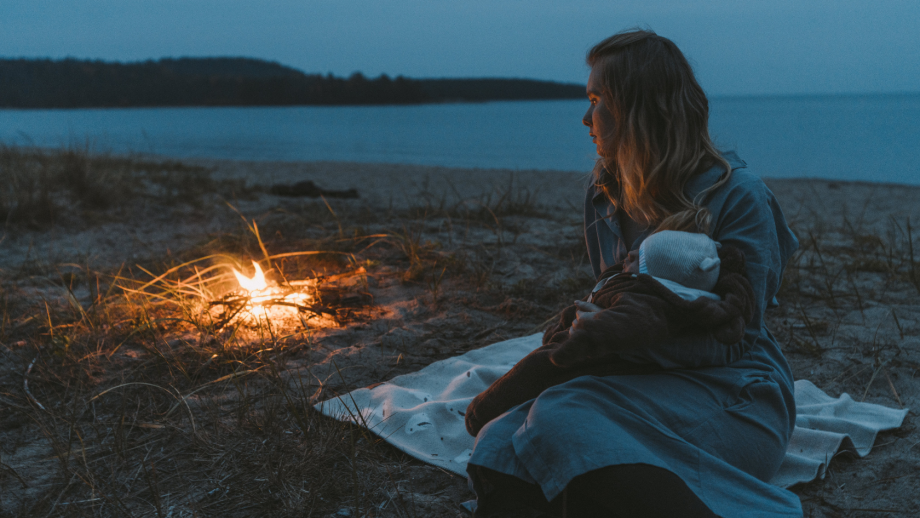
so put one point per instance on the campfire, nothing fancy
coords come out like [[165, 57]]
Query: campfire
[[227, 296], [259, 301]]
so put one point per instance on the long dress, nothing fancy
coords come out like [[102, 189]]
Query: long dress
[[719, 417]]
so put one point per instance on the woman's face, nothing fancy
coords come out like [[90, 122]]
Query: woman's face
[[599, 118]]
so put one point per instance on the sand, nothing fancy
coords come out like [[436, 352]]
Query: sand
[[849, 319]]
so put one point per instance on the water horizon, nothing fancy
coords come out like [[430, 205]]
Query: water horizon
[[845, 137]]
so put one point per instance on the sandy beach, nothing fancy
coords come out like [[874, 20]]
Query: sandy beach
[[136, 404]]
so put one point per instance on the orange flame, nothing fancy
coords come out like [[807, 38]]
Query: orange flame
[[266, 300], [255, 283], [282, 304]]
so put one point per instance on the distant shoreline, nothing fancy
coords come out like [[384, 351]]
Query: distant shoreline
[[200, 82], [728, 98], [259, 106]]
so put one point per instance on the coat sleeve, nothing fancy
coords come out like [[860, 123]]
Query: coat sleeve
[[751, 220], [633, 322]]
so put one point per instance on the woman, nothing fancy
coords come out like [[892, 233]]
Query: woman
[[704, 435]]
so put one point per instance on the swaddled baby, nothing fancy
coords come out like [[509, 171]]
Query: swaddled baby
[[686, 263], [678, 283]]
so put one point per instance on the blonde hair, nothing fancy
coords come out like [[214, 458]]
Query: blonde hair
[[660, 139]]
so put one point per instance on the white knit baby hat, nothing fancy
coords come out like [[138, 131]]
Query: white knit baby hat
[[686, 258]]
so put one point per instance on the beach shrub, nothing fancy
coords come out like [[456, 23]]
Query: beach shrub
[[40, 187]]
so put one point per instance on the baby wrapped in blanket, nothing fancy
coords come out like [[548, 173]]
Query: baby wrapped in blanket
[[679, 282]]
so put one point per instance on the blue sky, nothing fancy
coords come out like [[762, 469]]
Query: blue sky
[[738, 47]]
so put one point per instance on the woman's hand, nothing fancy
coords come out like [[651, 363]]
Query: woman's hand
[[584, 311]]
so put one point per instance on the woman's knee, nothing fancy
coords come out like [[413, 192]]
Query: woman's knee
[[499, 495], [751, 435], [632, 491]]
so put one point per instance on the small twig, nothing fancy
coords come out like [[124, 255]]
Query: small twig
[[829, 284], [859, 301], [897, 323], [15, 474], [10, 404], [914, 278], [139, 383], [872, 379], [483, 333], [182, 399], [154, 490], [362, 422], [61, 494], [191, 417], [25, 385], [890, 384], [810, 328]]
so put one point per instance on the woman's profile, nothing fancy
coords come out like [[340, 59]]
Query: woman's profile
[[703, 432]]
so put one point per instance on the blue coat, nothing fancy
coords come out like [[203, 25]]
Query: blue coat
[[720, 416]]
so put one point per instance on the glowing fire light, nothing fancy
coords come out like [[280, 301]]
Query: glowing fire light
[[263, 299], [256, 283], [257, 301]]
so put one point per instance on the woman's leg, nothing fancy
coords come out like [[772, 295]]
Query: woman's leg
[[719, 439], [631, 491], [711, 433], [506, 496], [625, 491]]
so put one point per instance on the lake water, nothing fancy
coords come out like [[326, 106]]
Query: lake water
[[869, 138]]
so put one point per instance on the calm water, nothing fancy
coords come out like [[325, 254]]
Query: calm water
[[871, 138]]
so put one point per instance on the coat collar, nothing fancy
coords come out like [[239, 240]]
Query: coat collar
[[703, 181], [696, 185], [607, 211]]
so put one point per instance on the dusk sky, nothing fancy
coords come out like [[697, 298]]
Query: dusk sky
[[737, 47]]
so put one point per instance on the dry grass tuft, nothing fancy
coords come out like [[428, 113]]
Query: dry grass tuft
[[42, 187]]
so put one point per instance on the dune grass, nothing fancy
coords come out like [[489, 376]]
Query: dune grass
[[41, 187]]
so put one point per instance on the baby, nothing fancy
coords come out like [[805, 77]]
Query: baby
[[685, 263], [677, 283]]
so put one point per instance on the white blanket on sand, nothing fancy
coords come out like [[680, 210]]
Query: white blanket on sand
[[421, 413]]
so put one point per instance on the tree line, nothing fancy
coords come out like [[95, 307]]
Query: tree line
[[72, 83]]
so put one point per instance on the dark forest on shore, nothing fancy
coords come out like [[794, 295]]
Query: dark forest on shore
[[71, 83]]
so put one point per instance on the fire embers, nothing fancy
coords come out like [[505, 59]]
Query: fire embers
[[264, 302]]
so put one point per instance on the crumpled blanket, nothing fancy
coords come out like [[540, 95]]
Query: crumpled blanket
[[825, 425], [638, 312], [422, 413]]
